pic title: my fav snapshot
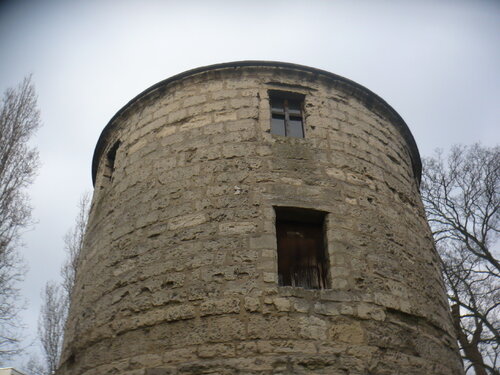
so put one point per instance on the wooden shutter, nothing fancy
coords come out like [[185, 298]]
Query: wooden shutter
[[301, 254]]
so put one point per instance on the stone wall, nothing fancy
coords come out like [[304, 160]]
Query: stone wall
[[179, 270]]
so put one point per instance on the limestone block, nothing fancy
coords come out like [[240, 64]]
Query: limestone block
[[225, 116], [146, 360], [269, 277], [252, 304], [224, 94], [177, 116], [285, 347], [301, 305], [179, 356], [216, 351], [187, 221], [313, 328], [221, 306], [224, 329], [194, 100], [327, 308], [237, 228], [282, 304], [368, 311], [351, 333]]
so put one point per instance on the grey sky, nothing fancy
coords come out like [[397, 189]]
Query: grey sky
[[436, 62]]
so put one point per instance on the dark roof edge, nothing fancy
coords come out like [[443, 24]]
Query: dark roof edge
[[403, 127]]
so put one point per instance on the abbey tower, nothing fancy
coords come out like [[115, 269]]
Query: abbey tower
[[258, 218]]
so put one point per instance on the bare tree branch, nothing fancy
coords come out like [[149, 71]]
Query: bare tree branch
[[19, 119], [73, 244], [34, 366], [56, 298], [51, 324], [462, 198]]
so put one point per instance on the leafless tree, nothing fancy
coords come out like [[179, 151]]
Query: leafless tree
[[51, 324], [19, 119], [56, 299], [34, 366], [73, 244], [461, 195]]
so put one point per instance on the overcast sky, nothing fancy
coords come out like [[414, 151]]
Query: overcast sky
[[437, 63]]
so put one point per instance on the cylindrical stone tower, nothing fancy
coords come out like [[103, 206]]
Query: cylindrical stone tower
[[258, 218]]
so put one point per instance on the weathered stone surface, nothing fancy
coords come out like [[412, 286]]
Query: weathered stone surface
[[178, 274]]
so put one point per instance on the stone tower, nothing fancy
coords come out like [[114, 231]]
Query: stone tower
[[258, 218]]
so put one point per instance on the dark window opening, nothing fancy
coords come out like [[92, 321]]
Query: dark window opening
[[302, 256], [286, 114], [110, 160]]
